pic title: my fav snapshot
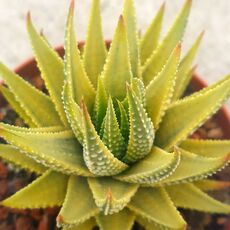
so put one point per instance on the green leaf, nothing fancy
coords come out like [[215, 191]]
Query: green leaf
[[190, 197], [159, 57], [141, 133], [99, 160], [78, 205], [87, 225], [146, 200], [94, 50], [112, 136], [177, 125], [193, 167], [117, 70], [110, 195], [51, 67], [150, 39], [47, 191], [81, 87], [124, 121], [207, 148], [124, 219], [73, 113], [58, 150], [101, 103], [160, 90], [148, 225], [37, 105], [157, 165], [184, 70], [16, 157], [16, 106], [209, 185], [133, 43]]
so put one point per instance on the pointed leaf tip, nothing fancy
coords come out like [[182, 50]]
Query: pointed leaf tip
[[28, 17]]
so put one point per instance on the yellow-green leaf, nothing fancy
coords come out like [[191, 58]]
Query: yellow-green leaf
[[148, 225], [159, 57], [47, 191], [73, 113], [97, 156], [133, 42], [179, 120], [78, 205], [111, 195], [81, 87], [13, 155], [157, 165], [87, 225], [207, 148], [94, 50], [16, 106], [117, 70], [209, 185], [51, 67], [184, 69], [189, 196], [193, 167], [58, 150], [124, 219], [160, 90], [155, 205], [150, 39], [141, 134], [37, 105]]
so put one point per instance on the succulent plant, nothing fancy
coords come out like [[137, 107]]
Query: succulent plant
[[110, 138]]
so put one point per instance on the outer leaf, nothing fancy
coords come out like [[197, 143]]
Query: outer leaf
[[117, 70], [73, 113], [95, 50], [98, 158], [159, 57], [193, 167], [208, 185], [110, 195], [58, 150], [87, 225], [112, 136], [46, 191], [124, 219], [51, 67], [16, 106], [177, 125], [190, 197], [101, 103], [37, 106], [141, 133], [154, 167], [148, 199], [207, 148], [79, 205], [14, 156], [130, 21], [184, 72], [74, 68], [148, 225], [150, 39], [160, 90]]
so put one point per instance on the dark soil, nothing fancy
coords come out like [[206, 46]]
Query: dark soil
[[12, 179]]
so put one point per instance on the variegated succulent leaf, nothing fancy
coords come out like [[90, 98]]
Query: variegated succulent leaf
[[110, 138]]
